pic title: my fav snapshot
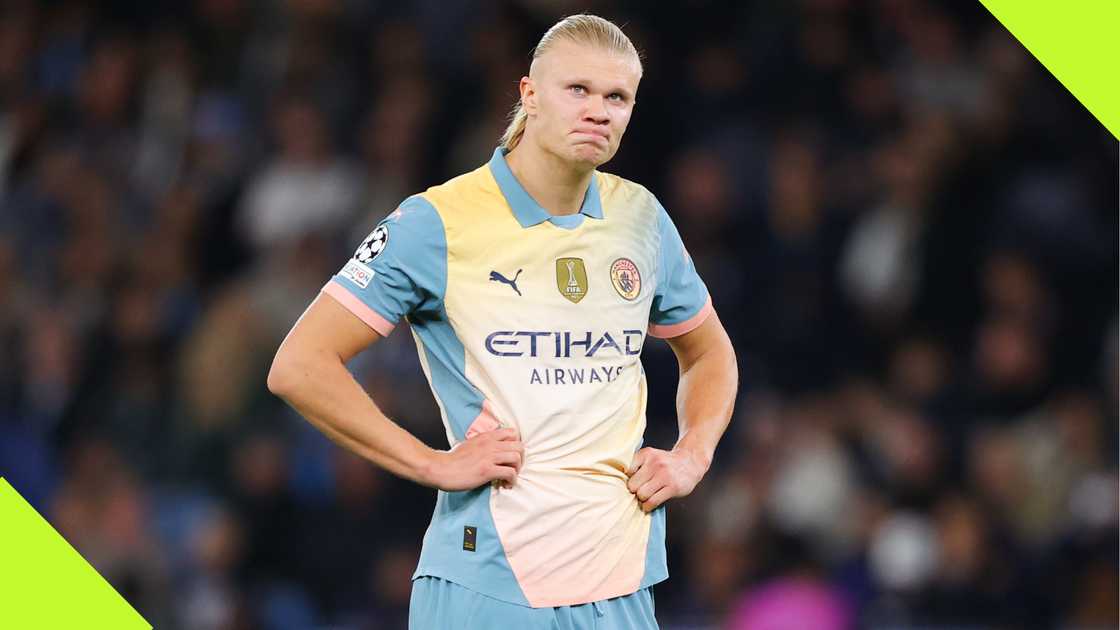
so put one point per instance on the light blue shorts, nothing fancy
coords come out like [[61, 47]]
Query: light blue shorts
[[437, 604]]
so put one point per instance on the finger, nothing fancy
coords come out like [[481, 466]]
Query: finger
[[515, 445], [638, 460], [657, 499], [507, 434], [497, 435], [502, 473], [508, 458], [642, 475], [649, 488]]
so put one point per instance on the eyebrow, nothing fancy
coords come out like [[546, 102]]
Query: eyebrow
[[587, 82]]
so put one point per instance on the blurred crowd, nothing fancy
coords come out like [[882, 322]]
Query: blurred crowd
[[907, 225]]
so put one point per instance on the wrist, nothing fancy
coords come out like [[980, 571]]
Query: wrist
[[428, 467], [700, 455]]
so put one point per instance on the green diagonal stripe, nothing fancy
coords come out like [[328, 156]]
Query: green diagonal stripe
[[1078, 42], [44, 583]]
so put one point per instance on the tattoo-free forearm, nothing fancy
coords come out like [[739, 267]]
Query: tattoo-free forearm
[[321, 388], [705, 399]]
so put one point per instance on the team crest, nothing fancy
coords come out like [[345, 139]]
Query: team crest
[[373, 245], [571, 278], [625, 278]]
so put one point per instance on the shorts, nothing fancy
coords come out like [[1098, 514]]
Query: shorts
[[437, 604]]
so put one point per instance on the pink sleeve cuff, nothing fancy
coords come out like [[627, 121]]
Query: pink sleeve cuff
[[358, 308], [669, 331]]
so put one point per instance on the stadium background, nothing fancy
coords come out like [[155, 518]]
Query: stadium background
[[908, 226]]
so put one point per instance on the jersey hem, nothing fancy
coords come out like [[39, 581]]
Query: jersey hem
[[539, 604]]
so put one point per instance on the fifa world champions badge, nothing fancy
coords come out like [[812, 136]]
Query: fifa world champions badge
[[571, 278], [626, 279]]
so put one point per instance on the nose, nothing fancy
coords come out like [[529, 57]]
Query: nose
[[596, 111]]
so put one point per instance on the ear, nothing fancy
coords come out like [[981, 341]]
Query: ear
[[528, 96]]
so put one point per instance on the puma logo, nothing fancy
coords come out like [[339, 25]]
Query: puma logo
[[497, 277]]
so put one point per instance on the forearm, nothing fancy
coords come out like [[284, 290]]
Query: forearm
[[705, 399], [321, 388]]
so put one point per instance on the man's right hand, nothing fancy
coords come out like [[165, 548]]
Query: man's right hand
[[492, 456]]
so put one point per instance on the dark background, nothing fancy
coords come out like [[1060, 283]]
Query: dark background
[[908, 227]]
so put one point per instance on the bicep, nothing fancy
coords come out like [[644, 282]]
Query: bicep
[[329, 327], [708, 337]]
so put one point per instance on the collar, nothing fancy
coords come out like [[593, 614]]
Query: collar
[[526, 209]]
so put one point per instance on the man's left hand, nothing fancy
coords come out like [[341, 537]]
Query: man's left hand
[[657, 476]]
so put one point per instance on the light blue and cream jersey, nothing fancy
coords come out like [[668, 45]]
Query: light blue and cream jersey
[[533, 321]]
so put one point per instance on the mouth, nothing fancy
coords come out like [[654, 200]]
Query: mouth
[[595, 135]]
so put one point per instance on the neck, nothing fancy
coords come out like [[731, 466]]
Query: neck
[[558, 186]]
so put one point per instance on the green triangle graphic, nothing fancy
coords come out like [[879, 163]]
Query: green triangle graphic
[[44, 583], [1077, 42]]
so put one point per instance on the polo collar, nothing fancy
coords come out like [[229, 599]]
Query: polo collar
[[526, 209]]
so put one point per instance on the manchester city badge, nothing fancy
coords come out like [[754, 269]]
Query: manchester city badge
[[626, 279]]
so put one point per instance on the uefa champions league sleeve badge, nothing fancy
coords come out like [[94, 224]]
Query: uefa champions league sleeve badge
[[373, 245]]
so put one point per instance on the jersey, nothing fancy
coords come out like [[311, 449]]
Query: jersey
[[527, 320]]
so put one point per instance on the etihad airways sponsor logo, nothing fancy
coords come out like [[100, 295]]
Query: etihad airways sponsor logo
[[563, 344]]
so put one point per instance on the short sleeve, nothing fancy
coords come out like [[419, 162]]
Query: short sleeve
[[680, 301], [398, 270]]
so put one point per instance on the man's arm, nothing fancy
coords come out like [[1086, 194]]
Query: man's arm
[[709, 378], [309, 372]]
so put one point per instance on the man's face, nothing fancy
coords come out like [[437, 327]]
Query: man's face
[[579, 100]]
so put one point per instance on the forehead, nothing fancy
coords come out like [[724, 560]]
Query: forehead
[[569, 60]]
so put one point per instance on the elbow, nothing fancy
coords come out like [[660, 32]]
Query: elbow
[[732, 362], [281, 376], [292, 370]]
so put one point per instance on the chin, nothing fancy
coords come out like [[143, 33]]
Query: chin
[[591, 155]]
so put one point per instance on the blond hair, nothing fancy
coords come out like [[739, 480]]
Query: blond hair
[[590, 30]]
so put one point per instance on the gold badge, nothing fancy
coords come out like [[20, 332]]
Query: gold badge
[[625, 278], [571, 278]]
